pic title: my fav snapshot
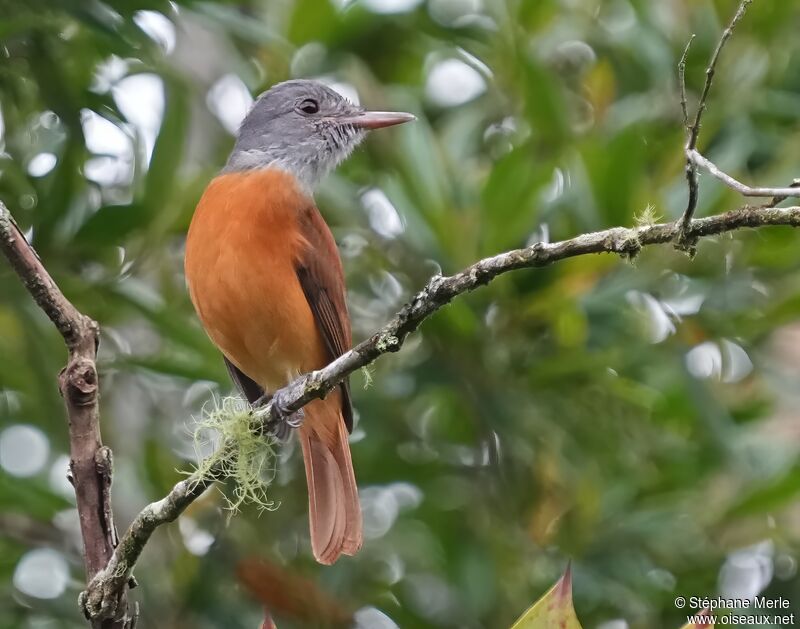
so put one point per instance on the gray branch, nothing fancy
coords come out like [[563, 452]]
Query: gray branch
[[746, 191], [101, 596], [440, 290], [693, 129]]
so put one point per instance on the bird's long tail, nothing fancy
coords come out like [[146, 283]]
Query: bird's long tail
[[333, 507]]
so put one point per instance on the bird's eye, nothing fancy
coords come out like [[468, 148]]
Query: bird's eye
[[309, 106]]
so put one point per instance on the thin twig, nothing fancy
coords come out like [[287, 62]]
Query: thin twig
[[711, 70], [746, 191], [439, 291], [693, 129], [682, 82], [89, 460]]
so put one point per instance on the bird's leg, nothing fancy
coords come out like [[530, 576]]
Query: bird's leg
[[282, 421]]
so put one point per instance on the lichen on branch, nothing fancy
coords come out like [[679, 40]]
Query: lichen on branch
[[243, 453]]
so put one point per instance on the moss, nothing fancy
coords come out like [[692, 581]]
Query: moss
[[648, 217], [243, 454], [366, 372]]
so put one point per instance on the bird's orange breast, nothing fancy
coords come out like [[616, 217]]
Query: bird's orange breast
[[241, 250]]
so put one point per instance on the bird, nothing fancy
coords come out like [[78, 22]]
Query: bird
[[266, 280]]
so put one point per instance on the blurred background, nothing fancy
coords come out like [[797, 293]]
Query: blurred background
[[639, 418]]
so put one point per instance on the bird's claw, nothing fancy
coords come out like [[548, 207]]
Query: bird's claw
[[282, 420]]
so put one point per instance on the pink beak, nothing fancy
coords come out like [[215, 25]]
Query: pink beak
[[378, 119]]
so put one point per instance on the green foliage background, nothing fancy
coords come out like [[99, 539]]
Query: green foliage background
[[555, 414]]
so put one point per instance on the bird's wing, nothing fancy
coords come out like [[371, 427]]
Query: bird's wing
[[319, 270], [249, 388]]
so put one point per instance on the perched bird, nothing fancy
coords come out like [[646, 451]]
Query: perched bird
[[266, 280]]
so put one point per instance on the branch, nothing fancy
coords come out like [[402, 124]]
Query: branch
[[24, 260], [746, 191], [693, 130], [101, 596], [439, 292], [90, 461], [682, 82]]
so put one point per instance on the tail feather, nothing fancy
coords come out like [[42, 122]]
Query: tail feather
[[334, 510], [353, 533]]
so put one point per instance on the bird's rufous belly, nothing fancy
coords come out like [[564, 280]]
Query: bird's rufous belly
[[240, 268]]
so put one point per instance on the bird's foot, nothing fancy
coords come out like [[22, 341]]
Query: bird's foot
[[281, 421]]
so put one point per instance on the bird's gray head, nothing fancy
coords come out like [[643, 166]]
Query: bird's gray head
[[305, 128]]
